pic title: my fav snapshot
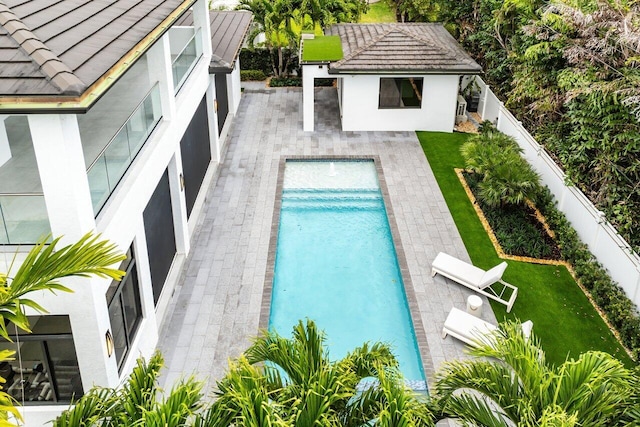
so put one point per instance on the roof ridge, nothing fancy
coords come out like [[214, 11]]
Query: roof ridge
[[366, 45], [423, 40], [49, 63]]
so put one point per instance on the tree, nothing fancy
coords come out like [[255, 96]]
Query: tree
[[510, 383], [138, 403], [274, 19], [281, 381], [42, 270]]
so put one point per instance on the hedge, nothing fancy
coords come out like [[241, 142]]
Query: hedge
[[251, 75], [607, 294], [259, 59]]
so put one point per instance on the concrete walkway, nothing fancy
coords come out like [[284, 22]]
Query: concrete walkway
[[216, 308]]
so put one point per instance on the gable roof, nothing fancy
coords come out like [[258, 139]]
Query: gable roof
[[66, 54], [228, 30], [400, 48]]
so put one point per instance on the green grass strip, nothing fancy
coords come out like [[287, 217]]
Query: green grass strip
[[564, 320]]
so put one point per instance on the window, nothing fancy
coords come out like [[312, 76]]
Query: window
[[125, 310], [400, 92], [46, 369]]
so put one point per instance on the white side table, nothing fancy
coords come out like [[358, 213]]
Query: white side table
[[474, 305]]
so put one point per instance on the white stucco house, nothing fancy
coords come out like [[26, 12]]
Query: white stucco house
[[113, 117], [390, 77]]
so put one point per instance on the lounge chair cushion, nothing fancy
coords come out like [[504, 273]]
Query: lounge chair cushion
[[458, 270], [470, 329], [493, 275], [467, 325]]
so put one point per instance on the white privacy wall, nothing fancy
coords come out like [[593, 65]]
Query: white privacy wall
[[360, 110], [611, 250]]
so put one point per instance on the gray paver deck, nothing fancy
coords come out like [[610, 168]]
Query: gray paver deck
[[216, 308]]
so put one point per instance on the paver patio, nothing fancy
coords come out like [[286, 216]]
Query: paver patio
[[216, 307]]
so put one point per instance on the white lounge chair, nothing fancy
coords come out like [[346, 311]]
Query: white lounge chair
[[471, 329], [488, 283]]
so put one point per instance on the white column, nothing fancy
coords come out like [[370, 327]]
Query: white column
[[308, 97], [5, 149], [212, 119], [178, 203], [159, 64], [58, 150], [201, 20], [235, 91]]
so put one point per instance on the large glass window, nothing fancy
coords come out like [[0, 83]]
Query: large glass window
[[45, 369], [401, 92], [125, 310]]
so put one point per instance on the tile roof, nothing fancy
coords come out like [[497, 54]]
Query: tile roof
[[393, 48], [228, 30], [58, 50]]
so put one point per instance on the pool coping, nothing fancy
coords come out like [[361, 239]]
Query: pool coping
[[414, 310]]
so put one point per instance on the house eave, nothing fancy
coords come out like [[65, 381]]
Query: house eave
[[81, 104], [405, 72]]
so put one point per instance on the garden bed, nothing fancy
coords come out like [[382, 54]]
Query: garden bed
[[518, 232]]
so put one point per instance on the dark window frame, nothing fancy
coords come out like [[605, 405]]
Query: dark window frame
[[116, 293], [48, 362], [401, 85]]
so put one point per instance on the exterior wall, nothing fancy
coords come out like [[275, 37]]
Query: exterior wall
[[358, 97], [360, 110], [603, 240], [59, 152]]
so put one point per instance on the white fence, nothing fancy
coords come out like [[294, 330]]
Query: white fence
[[603, 240]]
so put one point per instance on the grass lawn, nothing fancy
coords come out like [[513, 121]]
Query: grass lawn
[[381, 11], [564, 320]]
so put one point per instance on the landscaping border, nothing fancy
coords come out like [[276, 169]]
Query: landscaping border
[[502, 255]]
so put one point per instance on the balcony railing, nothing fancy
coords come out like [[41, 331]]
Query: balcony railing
[[184, 62], [114, 160], [23, 218]]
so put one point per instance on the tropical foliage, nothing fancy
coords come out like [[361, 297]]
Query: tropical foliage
[[280, 381], [507, 178], [42, 270], [280, 22], [570, 71], [137, 403], [510, 383]]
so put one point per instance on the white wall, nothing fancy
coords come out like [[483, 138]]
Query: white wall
[[60, 160], [360, 110], [609, 248]]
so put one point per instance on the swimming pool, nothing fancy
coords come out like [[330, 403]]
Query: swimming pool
[[336, 264]]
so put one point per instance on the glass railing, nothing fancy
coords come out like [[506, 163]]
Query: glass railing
[[185, 61], [23, 218], [114, 160]]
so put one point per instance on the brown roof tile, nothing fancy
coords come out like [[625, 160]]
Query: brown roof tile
[[410, 48], [228, 30], [70, 44]]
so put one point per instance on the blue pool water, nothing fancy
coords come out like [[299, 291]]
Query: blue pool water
[[336, 263]]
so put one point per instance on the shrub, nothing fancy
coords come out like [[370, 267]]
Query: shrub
[[508, 179], [261, 59], [252, 75], [285, 81], [608, 295]]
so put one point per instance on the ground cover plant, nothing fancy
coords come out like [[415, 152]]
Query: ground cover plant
[[516, 228], [565, 320]]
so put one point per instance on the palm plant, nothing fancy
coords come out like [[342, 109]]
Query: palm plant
[[137, 403], [507, 179], [42, 270], [274, 19], [281, 381], [510, 383]]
